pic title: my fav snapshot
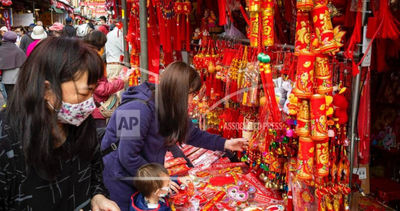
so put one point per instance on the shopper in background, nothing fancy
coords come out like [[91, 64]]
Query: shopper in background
[[69, 30], [26, 40], [114, 52], [56, 29], [39, 23], [103, 27], [20, 31], [160, 126], [112, 24], [105, 88], [55, 162], [3, 30], [37, 35], [11, 59]]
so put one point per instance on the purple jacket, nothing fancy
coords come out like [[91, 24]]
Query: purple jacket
[[136, 151]]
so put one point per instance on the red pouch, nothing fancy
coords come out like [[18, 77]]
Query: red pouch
[[197, 154], [191, 151], [174, 162], [179, 170]]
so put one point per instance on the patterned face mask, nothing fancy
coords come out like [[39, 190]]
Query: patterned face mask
[[165, 190], [75, 114]]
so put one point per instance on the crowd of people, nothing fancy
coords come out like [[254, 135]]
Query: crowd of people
[[61, 149]]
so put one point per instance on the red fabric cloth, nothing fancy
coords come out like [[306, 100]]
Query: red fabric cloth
[[103, 91]]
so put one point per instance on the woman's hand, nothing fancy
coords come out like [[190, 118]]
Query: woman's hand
[[236, 144], [101, 203]]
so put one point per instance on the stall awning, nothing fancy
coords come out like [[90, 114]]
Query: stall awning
[[61, 5], [56, 10]]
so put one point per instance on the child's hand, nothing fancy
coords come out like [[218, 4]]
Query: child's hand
[[185, 180], [173, 187]]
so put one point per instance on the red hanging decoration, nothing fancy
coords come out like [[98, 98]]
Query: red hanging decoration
[[390, 27], [6, 3]]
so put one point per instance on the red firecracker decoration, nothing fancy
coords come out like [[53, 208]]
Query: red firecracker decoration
[[305, 158], [261, 23], [303, 32], [304, 76], [322, 158], [323, 75], [319, 129], [323, 28]]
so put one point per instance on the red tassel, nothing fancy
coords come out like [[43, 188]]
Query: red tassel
[[187, 34], [390, 28], [178, 37]]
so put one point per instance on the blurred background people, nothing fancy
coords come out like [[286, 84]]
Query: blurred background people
[[56, 29], [26, 40], [105, 88], [69, 30], [3, 30], [11, 59], [37, 35], [103, 27]]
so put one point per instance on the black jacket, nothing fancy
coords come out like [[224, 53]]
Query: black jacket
[[22, 188], [69, 31], [26, 40]]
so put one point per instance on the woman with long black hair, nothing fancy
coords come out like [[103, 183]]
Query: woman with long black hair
[[149, 121], [49, 152]]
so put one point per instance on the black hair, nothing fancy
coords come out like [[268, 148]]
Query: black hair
[[96, 38], [103, 18], [176, 82], [90, 24], [56, 60]]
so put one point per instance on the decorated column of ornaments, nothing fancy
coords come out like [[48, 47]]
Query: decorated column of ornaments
[[132, 39], [182, 11], [269, 150], [254, 9], [261, 23], [267, 17]]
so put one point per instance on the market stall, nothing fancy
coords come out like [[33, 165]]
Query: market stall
[[283, 74]]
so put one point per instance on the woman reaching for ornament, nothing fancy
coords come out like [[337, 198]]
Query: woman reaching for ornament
[[150, 120]]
